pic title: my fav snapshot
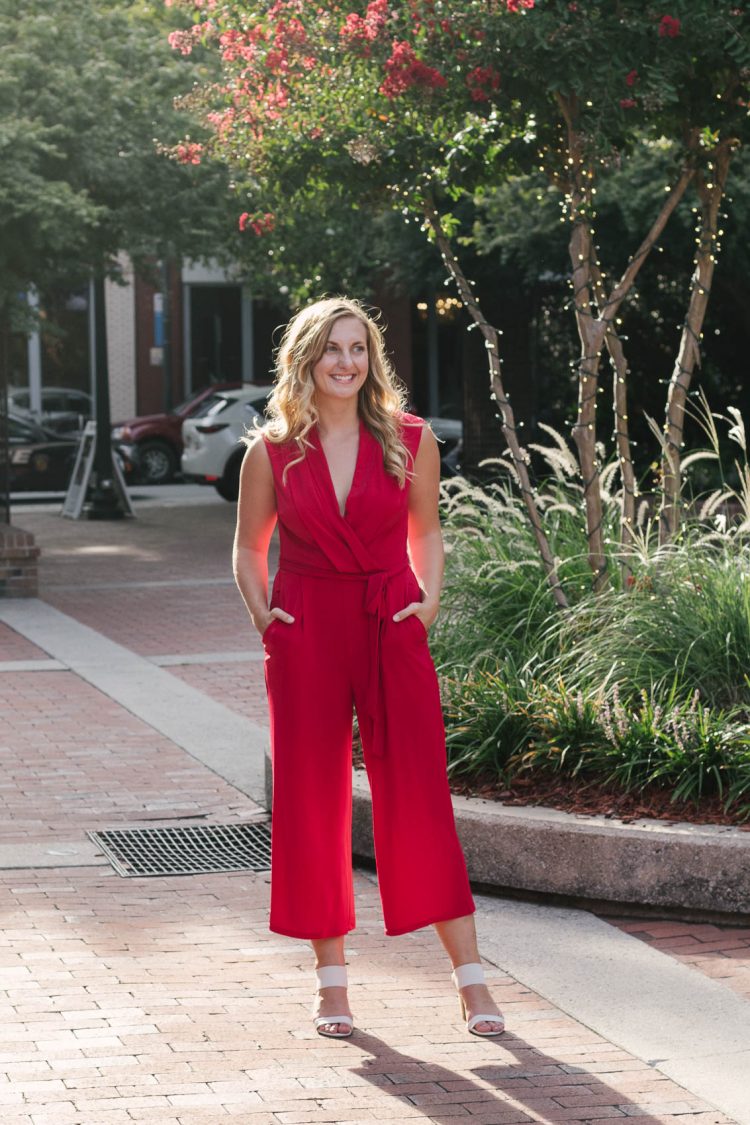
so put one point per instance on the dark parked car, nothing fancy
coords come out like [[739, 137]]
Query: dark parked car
[[64, 410], [40, 461], [152, 443]]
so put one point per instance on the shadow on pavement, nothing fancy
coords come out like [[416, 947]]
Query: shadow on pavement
[[512, 1095]]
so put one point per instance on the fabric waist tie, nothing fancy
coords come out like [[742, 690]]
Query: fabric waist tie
[[375, 704]]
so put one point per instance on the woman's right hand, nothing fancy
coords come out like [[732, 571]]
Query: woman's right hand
[[275, 613]]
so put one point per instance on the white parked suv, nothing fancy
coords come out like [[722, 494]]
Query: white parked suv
[[213, 452]]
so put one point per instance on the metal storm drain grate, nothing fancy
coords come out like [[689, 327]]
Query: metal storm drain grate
[[190, 850]]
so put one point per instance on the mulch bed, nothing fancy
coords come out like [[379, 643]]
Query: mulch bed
[[590, 798]]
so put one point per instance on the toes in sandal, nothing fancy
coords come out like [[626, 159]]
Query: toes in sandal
[[473, 973], [332, 976]]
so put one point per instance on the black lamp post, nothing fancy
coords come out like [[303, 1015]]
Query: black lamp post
[[4, 442], [103, 500]]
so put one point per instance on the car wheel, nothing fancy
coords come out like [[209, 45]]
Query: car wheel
[[228, 487], [157, 462]]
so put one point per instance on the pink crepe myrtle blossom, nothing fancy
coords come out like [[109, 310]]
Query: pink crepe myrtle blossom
[[627, 103], [481, 81], [631, 78], [189, 152], [184, 41], [669, 27], [363, 29], [181, 41], [259, 224], [404, 71], [517, 5]]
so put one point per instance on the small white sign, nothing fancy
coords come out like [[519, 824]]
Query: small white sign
[[76, 494]]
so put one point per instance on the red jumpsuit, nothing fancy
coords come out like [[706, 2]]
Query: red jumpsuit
[[342, 578]]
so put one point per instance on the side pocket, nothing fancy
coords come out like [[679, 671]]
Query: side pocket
[[421, 626], [286, 595]]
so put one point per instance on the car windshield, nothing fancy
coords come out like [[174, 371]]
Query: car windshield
[[214, 404], [21, 430], [183, 406]]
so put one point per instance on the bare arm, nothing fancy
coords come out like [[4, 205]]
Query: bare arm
[[424, 534], [256, 519]]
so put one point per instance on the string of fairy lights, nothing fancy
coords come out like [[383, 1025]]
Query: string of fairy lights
[[519, 456], [707, 249], [580, 212], [593, 303]]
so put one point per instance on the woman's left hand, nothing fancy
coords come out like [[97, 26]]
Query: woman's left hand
[[425, 611]]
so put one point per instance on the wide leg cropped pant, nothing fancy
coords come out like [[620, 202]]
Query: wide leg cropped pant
[[317, 670]]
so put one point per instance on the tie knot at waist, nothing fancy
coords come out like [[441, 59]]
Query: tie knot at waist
[[377, 580], [374, 605]]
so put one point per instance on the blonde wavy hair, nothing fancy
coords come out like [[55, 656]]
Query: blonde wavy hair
[[291, 410]]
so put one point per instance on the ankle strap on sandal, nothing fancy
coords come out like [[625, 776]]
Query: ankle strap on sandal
[[471, 973], [331, 976]]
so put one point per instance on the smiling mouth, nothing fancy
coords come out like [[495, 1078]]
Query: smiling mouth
[[343, 378]]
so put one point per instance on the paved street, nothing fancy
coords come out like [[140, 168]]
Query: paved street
[[131, 693]]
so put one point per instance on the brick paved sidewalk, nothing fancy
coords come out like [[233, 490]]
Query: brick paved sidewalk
[[74, 760], [168, 1000]]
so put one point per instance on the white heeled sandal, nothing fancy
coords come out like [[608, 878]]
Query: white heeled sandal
[[473, 973], [332, 976]]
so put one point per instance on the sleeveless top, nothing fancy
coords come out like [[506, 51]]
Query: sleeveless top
[[371, 536]]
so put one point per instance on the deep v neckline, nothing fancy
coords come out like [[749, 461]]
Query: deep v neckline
[[355, 474]]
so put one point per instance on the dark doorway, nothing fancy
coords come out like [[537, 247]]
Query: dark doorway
[[65, 340], [215, 334]]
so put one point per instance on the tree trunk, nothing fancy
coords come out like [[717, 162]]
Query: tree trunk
[[710, 194], [596, 330], [519, 455], [591, 331], [4, 438], [622, 426]]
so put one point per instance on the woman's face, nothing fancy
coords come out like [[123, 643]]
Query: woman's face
[[342, 369]]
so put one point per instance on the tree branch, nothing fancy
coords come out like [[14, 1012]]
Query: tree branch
[[519, 456]]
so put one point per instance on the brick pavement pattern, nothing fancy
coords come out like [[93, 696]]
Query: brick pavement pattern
[[74, 760], [15, 647], [167, 999], [238, 685], [721, 952]]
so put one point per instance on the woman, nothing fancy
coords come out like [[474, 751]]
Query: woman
[[351, 478]]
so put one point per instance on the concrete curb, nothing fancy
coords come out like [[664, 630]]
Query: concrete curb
[[699, 869]]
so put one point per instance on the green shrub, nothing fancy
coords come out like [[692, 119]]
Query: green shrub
[[682, 746], [487, 724], [645, 685]]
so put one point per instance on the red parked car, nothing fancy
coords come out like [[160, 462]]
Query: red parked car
[[152, 443]]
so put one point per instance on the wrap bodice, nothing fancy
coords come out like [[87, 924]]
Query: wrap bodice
[[314, 536]]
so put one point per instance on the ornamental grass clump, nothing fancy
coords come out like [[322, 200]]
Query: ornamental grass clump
[[686, 617], [644, 686]]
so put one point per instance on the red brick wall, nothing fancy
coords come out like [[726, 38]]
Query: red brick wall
[[18, 563]]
